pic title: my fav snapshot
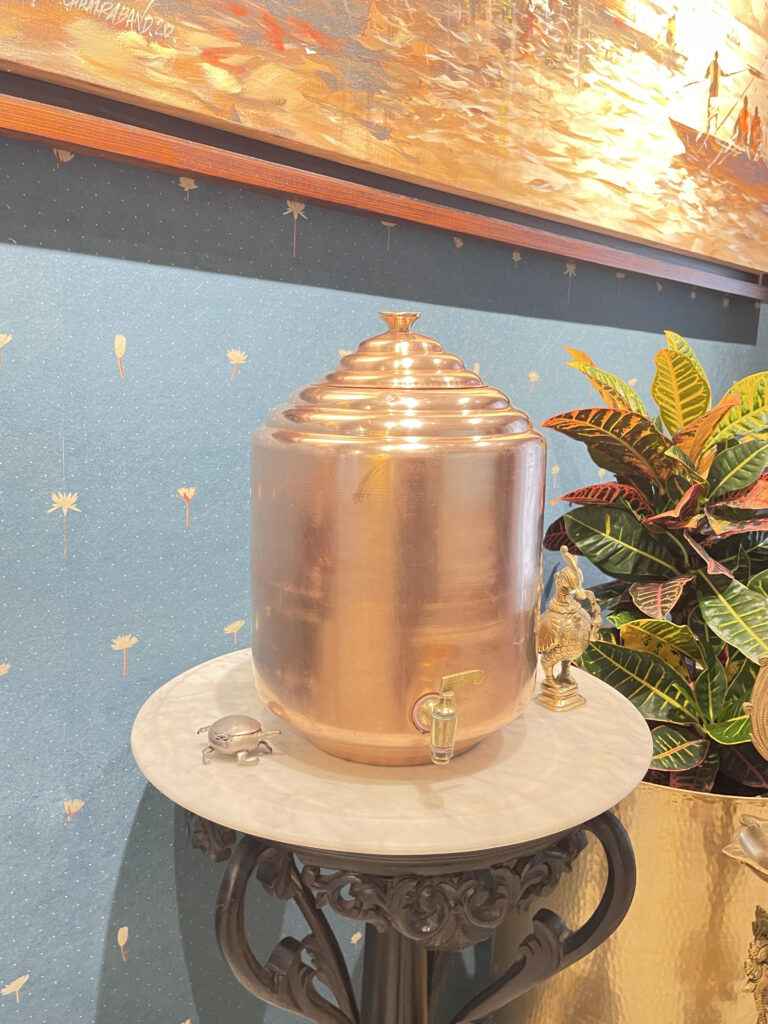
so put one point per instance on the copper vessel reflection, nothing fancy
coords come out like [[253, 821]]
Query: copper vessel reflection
[[395, 539]]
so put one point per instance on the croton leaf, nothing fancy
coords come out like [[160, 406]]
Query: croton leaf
[[614, 391], [614, 541], [615, 438], [621, 618], [738, 615], [637, 639], [700, 779], [751, 414], [738, 465], [740, 675], [697, 437], [747, 551], [610, 594], [753, 497], [679, 517], [729, 527], [744, 764], [706, 639], [709, 688], [677, 343], [656, 600], [688, 466], [759, 583], [659, 693], [677, 750], [680, 389], [680, 638], [734, 730], [713, 567], [556, 536], [608, 494]]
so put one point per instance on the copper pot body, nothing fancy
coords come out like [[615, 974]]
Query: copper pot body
[[395, 538]]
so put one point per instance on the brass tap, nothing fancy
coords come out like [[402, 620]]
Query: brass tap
[[436, 714]]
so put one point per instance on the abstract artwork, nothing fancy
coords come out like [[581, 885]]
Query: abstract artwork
[[643, 119]]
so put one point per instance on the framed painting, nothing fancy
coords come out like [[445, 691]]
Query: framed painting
[[643, 119]]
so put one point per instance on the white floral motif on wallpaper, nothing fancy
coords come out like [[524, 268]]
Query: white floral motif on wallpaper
[[67, 502], [73, 807], [389, 224], [235, 627], [122, 940], [187, 494], [120, 352], [4, 667], [4, 339], [123, 643], [14, 987], [187, 184], [533, 377], [63, 156]]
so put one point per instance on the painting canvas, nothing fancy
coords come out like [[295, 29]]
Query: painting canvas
[[640, 118]]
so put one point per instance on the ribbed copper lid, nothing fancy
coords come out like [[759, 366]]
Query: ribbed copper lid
[[399, 384]]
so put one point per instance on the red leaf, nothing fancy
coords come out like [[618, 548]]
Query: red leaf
[[678, 518], [755, 496], [607, 494], [714, 568], [656, 600], [729, 527], [700, 779], [556, 536]]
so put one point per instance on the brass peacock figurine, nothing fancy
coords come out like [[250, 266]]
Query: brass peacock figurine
[[565, 629]]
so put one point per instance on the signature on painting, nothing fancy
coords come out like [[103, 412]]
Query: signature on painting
[[123, 16]]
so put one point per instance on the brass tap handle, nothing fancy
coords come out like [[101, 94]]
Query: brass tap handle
[[436, 713]]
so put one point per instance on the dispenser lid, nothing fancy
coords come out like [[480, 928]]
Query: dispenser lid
[[401, 358]]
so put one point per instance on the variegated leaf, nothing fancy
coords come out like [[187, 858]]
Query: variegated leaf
[[687, 465], [677, 750], [614, 541], [709, 688], [713, 567], [608, 494], [556, 536], [747, 552], [679, 637], [730, 527], [739, 616], [679, 517], [680, 389], [700, 779], [619, 439], [735, 730], [706, 639], [751, 414], [609, 594], [737, 466], [677, 343], [637, 639], [657, 600], [759, 583], [744, 764], [614, 391], [753, 497], [658, 692], [697, 437], [740, 678]]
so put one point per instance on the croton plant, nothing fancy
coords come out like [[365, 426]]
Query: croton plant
[[683, 533]]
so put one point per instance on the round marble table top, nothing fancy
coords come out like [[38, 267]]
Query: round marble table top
[[541, 775]]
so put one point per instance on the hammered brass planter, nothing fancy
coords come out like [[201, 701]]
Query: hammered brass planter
[[678, 957]]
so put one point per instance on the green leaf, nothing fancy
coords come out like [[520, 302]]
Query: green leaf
[[751, 414], [706, 639], [556, 536], [744, 764], [738, 615], [626, 443], [658, 599], [738, 465], [680, 389], [614, 541], [659, 693], [759, 583], [710, 688], [747, 551], [610, 594], [680, 638], [700, 779], [740, 681], [614, 391], [735, 730], [677, 750], [620, 619], [689, 467]]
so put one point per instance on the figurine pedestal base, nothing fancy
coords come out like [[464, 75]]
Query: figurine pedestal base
[[561, 696]]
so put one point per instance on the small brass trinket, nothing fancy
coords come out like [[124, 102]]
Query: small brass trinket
[[757, 709], [565, 630], [756, 963], [238, 736]]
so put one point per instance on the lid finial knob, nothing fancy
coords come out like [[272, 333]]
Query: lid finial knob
[[399, 321]]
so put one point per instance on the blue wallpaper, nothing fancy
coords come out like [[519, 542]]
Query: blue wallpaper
[[107, 915]]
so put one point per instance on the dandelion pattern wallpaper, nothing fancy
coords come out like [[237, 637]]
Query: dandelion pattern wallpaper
[[147, 325]]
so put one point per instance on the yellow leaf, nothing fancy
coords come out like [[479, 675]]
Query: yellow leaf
[[639, 640], [751, 414], [680, 389], [15, 986]]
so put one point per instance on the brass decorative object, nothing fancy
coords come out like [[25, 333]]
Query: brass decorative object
[[757, 709], [396, 511], [756, 963], [565, 629], [436, 714], [751, 844], [237, 736]]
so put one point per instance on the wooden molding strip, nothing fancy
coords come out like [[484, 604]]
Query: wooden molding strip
[[113, 140]]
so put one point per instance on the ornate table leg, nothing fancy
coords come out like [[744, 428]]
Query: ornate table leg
[[406, 915]]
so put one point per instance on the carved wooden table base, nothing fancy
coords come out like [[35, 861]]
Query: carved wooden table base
[[410, 906]]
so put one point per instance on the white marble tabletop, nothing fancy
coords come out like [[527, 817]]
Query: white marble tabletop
[[542, 774]]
